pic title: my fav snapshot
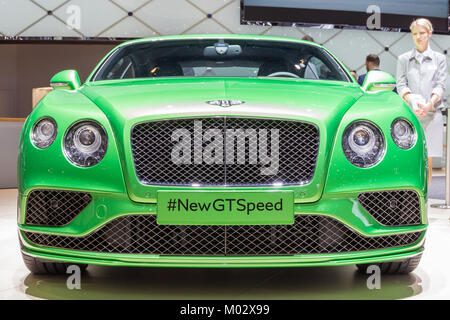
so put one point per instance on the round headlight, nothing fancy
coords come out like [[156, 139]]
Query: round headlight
[[44, 133], [403, 133], [363, 144], [85, 143]]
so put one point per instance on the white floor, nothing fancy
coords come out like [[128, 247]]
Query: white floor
[[430, 281]]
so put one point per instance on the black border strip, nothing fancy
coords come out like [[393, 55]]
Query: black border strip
[[296, 15], [56, 41]]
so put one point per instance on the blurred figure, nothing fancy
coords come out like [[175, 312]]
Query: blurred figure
[[421, 77], [354, 74], [313, 64], [372, 63], [324, 72], [308, 38]]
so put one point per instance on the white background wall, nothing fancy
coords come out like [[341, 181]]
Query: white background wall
[[111, 19]]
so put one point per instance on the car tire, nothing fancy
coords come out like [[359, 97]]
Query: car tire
[[394, 267], [38, 266]]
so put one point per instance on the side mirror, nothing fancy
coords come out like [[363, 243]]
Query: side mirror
[[377, 81], [67, 79]]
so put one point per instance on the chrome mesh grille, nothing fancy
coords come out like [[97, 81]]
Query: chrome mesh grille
[[152, 147], [140, 234], [54, 207], [392, 208]]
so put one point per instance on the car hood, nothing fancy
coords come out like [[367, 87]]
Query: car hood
[[166, 98]]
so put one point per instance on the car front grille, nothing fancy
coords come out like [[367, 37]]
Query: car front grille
[[392, 208], [140, 234], [227, 151], [54, 207]]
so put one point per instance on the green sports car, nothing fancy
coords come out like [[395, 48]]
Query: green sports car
[[222, 151]]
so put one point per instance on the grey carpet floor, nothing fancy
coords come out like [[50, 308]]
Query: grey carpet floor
[[437, 188]]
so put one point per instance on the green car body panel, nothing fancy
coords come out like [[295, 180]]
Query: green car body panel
[[118, 105]]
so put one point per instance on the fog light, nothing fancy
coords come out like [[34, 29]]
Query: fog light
[[44, 133], [403, 133]]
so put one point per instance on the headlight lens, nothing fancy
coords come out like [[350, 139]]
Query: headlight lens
[[403, 133], [44, 133], [85, 143], [363, 144]]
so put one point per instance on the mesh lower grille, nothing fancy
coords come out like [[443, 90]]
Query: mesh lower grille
[[392, 208], [54, 207], [140, 234], [225, 151]]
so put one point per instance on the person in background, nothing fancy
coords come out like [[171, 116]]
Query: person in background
[[354, 74], [313, 65], [308, 38], [372, 63], [421, 77]]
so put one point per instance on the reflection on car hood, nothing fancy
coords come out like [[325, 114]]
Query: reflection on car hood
[[284, 98]]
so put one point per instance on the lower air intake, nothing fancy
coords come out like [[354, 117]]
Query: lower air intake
[[140, 234], [392, 208], [54, 207]]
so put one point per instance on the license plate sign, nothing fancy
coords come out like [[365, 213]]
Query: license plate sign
[[225, 208]]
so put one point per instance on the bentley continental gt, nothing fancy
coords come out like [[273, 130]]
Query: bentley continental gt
[[222, 151]]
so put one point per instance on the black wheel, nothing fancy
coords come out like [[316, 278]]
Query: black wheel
[[38, 266], [394, 267]]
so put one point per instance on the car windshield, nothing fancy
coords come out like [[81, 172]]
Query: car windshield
[[221, 58]]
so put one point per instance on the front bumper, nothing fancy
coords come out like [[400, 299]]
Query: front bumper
[[226, 262], [107, 207]]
